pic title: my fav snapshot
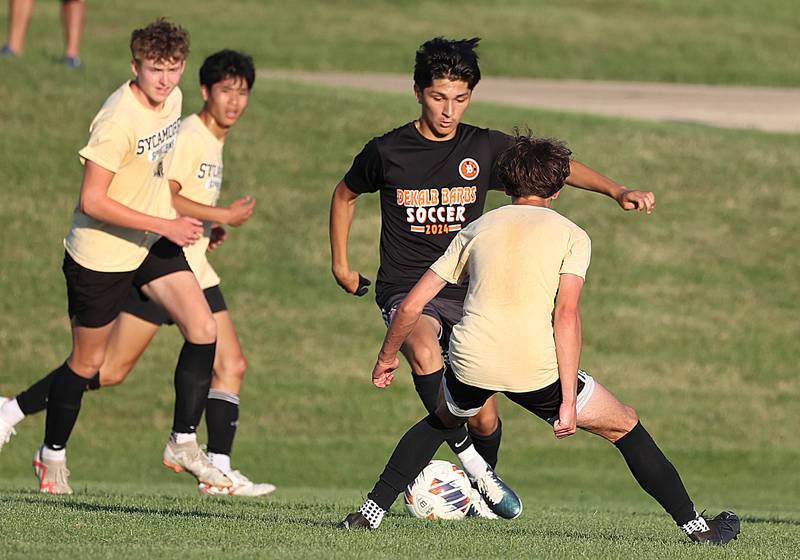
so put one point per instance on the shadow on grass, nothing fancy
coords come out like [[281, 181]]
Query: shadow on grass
[[76, 505], [33, 498]]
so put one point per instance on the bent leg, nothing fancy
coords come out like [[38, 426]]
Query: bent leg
[[129, 339], [607, 417]]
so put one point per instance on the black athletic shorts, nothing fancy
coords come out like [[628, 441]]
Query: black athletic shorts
[[146, 309], [448, 312], [94, 299], [466, 400]]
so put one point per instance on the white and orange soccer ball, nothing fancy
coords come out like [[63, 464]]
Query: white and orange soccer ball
[[441, 491]]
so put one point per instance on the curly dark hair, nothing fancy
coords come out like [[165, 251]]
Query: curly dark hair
[[161, 40], [454, 60], [227, 64], [533, 166]]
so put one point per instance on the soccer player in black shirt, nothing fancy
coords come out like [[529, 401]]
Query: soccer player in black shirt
[[433, 175]]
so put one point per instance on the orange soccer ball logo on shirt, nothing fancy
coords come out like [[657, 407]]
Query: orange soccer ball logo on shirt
[[468, 169]]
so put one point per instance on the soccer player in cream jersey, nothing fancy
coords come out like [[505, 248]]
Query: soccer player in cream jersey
[[125, 233], [513, 339], [195, 178]]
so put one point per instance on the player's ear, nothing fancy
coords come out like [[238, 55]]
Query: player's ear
[[205, 93], [555, 195], [135, 67]]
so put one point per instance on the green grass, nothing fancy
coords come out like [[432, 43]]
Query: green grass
[[698, 41], [689, 315]]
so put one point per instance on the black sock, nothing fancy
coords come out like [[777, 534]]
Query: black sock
[[94, 382], [415, 450], [427, 387], [222, 417], [655, 474], [488, 446], [34, 398], [192, 381], [63, 406]]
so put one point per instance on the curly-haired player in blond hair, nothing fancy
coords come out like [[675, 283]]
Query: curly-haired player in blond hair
[[124, 233]]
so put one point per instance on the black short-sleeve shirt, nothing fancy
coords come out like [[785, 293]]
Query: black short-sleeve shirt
[[429, 191]]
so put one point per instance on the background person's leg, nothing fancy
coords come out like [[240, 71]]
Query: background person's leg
[[72, 18], [19, 15]]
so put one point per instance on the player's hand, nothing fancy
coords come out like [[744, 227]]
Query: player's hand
[[630, 199], [218, 236], [383, 372], [184, 230], [352, 282], [566, 424], [240, 210]]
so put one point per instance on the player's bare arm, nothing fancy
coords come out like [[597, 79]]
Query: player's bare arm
[[234, 215], [584, 177], [567, 334], [95, 202], [403, 322], [343, 207]]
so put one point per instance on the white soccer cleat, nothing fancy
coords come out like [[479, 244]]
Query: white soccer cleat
[[498, 495], [190, 458], [6, 430], [53, 475], [242, 486], [479, 508]]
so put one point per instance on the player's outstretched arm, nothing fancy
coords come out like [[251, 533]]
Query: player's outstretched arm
[[95, 203], [343, 207], [584, 177], [567, 334], [234, 215], [403, 322]]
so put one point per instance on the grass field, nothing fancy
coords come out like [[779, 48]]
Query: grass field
[[689, 315]]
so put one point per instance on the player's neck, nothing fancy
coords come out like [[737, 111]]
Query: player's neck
[[213, 126], [142, 98], [429, 134], [532, 201]]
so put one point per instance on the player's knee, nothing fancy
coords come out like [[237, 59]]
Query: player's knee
[[425, 359], [87, 365], [116, 376], [202, 331], [484, 424], [231, 369]]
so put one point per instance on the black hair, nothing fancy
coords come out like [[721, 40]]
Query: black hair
[[227, 64], [454, 60]]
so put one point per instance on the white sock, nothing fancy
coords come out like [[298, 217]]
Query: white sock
[[53, 454], [372, 512], [183, 438], [11, 413], [474, 465], [222, 462]]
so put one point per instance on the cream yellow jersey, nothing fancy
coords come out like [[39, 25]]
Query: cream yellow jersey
[[197, 167], [136, 144], [513, 257]]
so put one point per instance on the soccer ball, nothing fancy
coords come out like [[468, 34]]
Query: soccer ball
[[441, 491]]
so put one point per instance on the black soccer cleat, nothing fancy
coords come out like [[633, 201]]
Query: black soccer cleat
[[720, 530], [354, 521]]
